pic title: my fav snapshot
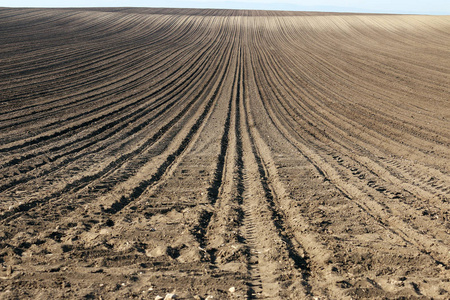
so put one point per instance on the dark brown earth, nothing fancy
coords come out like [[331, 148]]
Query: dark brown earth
[[282, 155]]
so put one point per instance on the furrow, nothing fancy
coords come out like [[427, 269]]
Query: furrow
[[84, 181]]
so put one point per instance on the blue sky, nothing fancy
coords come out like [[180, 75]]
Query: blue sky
[[441, 7]]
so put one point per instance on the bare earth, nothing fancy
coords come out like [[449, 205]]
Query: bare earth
[[282, 155]]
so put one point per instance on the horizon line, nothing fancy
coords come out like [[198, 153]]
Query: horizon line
[[338, 11]]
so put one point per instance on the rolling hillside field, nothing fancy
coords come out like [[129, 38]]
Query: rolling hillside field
[[223, 154]]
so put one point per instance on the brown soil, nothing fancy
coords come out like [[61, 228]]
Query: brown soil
[[284, 155]]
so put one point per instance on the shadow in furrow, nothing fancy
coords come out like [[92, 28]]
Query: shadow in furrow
[[104, 128], [105, 116], [137, 191], [254, 285], [213, 190], [300, 262], [199, 231], [278, 220]]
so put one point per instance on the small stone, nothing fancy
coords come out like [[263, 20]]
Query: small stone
[[209, 297], [157, 251], [9, 271], [232, 289], [197, 297], [170, 296], [159, 297]]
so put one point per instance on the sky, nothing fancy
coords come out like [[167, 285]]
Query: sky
[[436, 7]]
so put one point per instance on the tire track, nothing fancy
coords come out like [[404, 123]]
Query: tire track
[[210, 232], [374, 209], [297, 265], [439, 249], [241, 154]]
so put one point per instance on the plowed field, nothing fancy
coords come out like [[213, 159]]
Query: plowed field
[[283, 155]]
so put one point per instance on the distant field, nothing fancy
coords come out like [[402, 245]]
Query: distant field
[[284, 155]]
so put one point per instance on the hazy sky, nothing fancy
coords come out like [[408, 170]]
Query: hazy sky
[[375, 6]]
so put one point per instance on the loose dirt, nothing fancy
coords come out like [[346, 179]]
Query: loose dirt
[[223, 154]]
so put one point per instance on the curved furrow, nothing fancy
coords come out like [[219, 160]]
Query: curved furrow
[[188, 161], [114, 164], [411, 237], [379, 207], [173, 78], [141, 74], [305, 249], [138, 76], [415, 136], [333, 53], [124, 122], [226, 154], [168, 160], [369, 114], [220, 193], [321, 135], [174, 153], [318, 133], [297, 255], [111, 92], [374, 208], [366, 146]]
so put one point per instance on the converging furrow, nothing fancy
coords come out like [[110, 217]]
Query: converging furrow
[[161, 153]]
